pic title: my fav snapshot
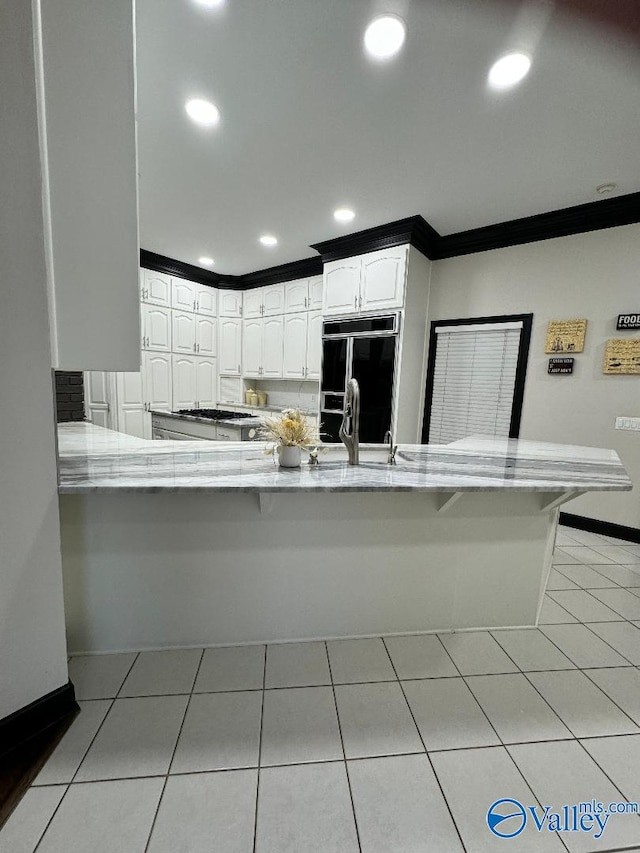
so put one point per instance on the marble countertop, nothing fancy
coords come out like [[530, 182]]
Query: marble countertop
[[235, 422], [94, 459]]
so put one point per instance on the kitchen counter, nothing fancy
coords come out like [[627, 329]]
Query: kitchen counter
[[236, 422], [169, 544], [93, 459]]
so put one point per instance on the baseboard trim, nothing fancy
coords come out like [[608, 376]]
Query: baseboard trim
[[33, 719], [604, 528]]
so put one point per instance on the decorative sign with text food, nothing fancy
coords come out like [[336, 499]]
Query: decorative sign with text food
[[629, 321], [566, 335], [560, 365], [622, 355]]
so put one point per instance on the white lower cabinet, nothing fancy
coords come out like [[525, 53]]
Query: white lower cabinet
[[206, 382], [229, 346], [98, 398], [194, 382], [157, 380], [132, 416], [251, 347]]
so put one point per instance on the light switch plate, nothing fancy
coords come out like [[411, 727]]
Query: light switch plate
[[628, 423]]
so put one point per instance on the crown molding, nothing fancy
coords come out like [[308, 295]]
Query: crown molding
[[414, 229], [284, 272], [161, 263]]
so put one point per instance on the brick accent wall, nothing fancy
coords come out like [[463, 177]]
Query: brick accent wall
[[69, 395]]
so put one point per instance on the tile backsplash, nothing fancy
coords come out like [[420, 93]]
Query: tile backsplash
[[288, 393]]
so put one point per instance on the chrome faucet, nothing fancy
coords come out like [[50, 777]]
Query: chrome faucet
[[350, 428], [388, 437]]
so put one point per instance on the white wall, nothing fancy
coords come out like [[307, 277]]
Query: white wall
[[33, 658], [594, 275], [89, 102]]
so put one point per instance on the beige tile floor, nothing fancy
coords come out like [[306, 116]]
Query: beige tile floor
[[386, 745]]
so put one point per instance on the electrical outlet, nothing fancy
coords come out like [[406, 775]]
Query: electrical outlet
[[628, 423]]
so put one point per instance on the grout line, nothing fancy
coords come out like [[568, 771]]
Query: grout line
[[433, 770], [133, 663], [344, 753], [264, 680]]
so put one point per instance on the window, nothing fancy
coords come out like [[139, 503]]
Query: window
[[475, 380]]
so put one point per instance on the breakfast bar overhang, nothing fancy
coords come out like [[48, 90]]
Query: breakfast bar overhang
[[178, 544]]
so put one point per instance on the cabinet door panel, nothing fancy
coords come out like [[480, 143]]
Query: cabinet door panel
[[315, 293], [206, 300], [252, 347], [252, 303], [229, 303], [157, 380], [96, 388], [184, 332], [296, 296], [184, 382], [314, 345], [206, 335], [272, 347], [157, 328], [273, 300], [183, 295], [133, 419], [295, 346], [206, 383], [342, 286], [157, 288], [229, 347], [383, 276]]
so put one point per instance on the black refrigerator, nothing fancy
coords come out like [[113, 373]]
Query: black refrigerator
[[363, 349]]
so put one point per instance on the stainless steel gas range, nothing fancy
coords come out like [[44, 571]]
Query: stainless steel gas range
[[204, 424]]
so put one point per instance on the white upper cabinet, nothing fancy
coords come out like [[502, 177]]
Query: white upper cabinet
[[156, 367], [183, 372], [273, 300], [383, 279], [371, 282], [252, 346], [206, 335], [314, 345], [206, 382], [229, 346], [295, 346], [183, 295], [206, 300], [229, 303], [272, 347], [316, 287], [184, 332], [156, 288], [296, 296], [342, 286], [156, 328], [252, 303]]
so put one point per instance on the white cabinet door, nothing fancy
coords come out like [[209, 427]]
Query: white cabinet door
[[272, 347], [97, 397], [229, 346], [156, 288], [156, 368], [206, 383], [252, 347], [206, 335], [383, 278], [183, 295], [184, 332], [252, 303], [184, 382], [206, 300], [229, 303], [296, 296], [156, 324], [273, 300], [314, 345], [132, 417], [315, 293], [295, 346], [342, 286]]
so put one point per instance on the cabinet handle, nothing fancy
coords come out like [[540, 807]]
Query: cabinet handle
[[239, 371], [360, 302], [355, 303], [198, 350], [305, 302]]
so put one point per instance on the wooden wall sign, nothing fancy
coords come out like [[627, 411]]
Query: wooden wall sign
[[560, 365], [565, 335], [622, 355], [629, 321]]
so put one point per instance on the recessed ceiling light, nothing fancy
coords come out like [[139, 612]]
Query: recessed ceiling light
[[205, 261], [209, 3], [384, 36], [269, 240], [509, 70], [603, 189], [343, 214], [202, 112]]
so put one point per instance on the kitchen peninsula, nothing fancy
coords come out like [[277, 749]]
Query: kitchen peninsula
[[173, 544]]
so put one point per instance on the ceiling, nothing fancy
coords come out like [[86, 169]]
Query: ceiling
[[309, 123]]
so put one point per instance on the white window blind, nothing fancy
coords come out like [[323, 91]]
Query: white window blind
[[474, 380]]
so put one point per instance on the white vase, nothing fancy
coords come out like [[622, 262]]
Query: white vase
[[289, 457]]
